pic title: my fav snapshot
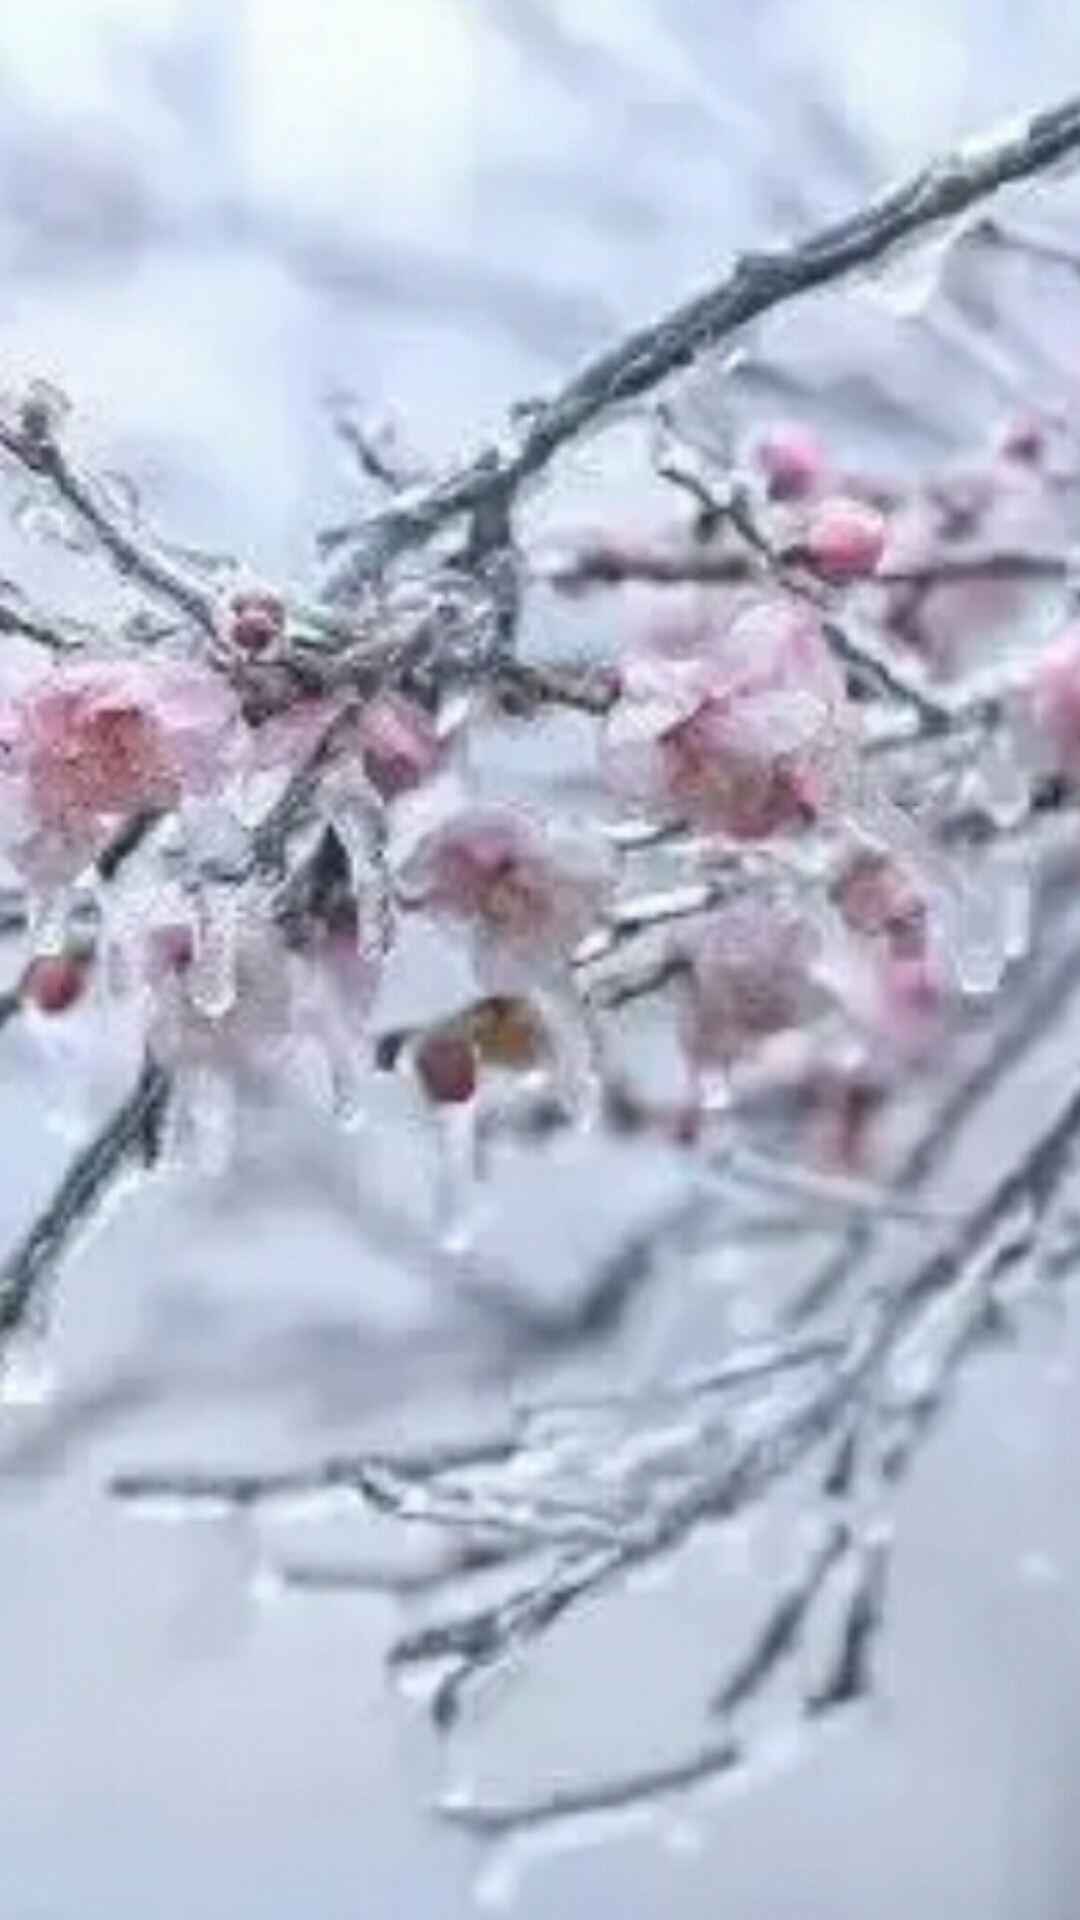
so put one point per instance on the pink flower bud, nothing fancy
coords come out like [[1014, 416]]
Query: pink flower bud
[[909, 1004], [170, 949], [844, 1107], [256, 622], [53, 983], [844, 538], [401, 745], [445, 1065], [793, 462], [1054, 700]]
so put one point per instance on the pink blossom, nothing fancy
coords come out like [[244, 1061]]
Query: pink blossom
[[739, 741], [879, 901], [844, 538], [493, 871], [750, 979], [400, 742], [1053, 702], [793, 461], [85, 746]]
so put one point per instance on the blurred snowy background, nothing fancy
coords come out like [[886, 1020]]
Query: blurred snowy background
[[215, 215]]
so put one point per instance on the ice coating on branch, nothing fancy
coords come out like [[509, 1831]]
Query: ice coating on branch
[[739, 738], [516, 888], [967, 911], [84, 746]]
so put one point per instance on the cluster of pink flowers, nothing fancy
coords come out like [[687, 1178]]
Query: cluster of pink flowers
[[738, 737], [730, 716]]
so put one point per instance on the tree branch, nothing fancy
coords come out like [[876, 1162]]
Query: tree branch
[[756, 284]]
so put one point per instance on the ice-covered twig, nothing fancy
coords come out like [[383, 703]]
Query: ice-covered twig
[[758, 283]]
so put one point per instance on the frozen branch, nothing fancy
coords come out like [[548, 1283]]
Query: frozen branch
[[759, 282]]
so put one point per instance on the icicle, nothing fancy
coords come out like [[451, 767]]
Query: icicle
[[47, 916], [970, 913], [202, 1133], [457, 1187], [212, 981], [576, 1047]]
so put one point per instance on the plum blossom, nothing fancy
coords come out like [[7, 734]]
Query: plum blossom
[[750, 978], [521, 893], [85, 746], [792, 460], [741, 739], [400, 744]]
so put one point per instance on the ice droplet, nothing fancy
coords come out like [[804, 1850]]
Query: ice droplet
[[498, 1882], [683, 1837], [28, 1374], [47, 919], [457, 1176]]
